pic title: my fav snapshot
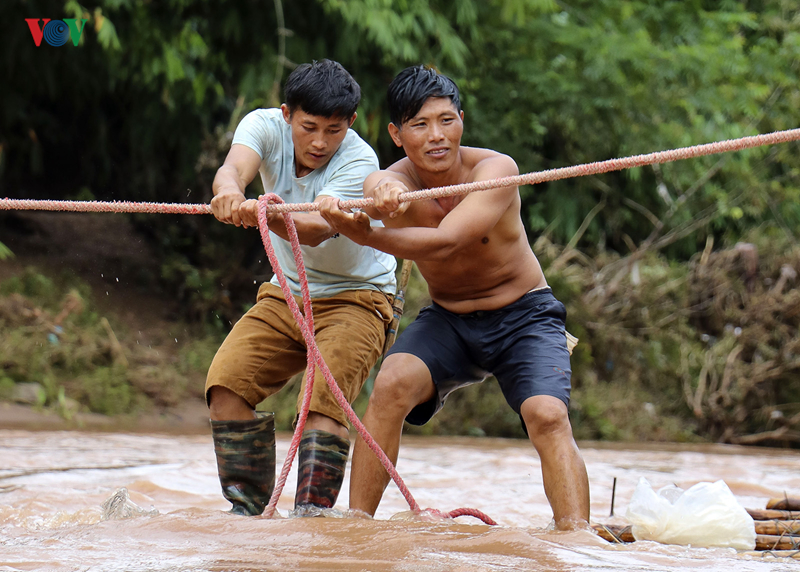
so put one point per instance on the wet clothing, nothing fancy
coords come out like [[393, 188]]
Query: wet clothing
[[265, 347], [338, 264], [523, 345]]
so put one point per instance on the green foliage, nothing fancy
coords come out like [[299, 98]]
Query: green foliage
[[547, 83], [402, 29], [5, 252], [144, 109], [479, 410], [78, 360], [595, 80], [108, 391], [675, 351]]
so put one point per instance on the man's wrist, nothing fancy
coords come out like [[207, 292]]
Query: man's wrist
[[369, 236], [228, 191]]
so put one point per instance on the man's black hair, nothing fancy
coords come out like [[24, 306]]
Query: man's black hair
[[322, 88], [412, 87]]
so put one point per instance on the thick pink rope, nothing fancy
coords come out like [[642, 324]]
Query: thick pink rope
[[103, 207], [306, 325], [527, 179]]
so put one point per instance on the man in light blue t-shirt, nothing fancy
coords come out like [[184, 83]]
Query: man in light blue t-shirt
[[304, 152]]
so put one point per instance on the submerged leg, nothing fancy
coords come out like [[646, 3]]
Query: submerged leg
[[566, 483], [246, 462], [322, 459], [403, 383], [369, 478]]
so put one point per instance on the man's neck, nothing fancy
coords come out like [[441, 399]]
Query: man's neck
[[455, 175], [301, 170]]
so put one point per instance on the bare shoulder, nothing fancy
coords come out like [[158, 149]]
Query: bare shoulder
[[488, 164], [404, 171], [401, 171]]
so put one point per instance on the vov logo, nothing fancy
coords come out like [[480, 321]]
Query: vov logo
[[56, 32]]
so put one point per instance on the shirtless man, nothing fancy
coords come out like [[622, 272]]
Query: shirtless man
[[492, 311]]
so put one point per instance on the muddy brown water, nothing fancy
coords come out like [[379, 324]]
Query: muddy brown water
[[52, 486]]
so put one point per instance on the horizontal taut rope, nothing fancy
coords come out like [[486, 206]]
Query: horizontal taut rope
[[527, 179], [103, 206]]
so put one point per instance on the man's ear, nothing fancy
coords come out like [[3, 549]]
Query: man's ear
[[462, 116], [353, 119], [287, 113], [394, 132]]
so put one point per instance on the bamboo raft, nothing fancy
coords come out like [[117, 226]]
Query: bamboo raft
[[777, 529]]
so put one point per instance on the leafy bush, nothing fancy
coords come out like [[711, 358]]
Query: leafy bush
[[53, 336]]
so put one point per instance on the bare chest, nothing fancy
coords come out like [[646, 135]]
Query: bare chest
[[430, 214]]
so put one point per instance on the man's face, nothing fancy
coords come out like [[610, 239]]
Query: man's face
[[432, 137], [315, 138]]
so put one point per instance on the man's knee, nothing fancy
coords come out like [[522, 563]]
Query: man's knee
[[322, 422], [545, 417], [398, 389], [216, 395], [225, 405]]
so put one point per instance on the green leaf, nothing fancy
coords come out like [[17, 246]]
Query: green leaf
[[5, 252], [106, 32]]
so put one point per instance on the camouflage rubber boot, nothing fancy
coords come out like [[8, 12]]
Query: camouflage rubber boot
[[322, 459], [246, 462]]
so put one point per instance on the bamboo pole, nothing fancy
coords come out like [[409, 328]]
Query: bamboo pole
[[777, 535], [774, 542], [773, 553], [767, 514], [398, 305], [783, 504], [780, 527], [614, 532]]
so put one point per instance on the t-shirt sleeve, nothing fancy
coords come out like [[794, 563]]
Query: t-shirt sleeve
[[257, 131], [347, 183]]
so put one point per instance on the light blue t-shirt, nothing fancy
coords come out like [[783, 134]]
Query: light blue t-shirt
[[338, 264]]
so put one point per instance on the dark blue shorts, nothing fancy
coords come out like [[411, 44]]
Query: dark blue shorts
[[523, 345]]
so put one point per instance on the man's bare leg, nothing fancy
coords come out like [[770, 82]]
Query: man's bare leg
[[225, 405], [403, 383], [566, 482]]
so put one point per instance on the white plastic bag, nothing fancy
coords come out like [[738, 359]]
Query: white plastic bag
[[705, 515]]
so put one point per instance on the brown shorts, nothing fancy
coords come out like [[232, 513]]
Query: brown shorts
[[265, 348]]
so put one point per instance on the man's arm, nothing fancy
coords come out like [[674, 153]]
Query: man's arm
[[239, 169], [385, 188], [472, 219], [230, 206], [312, 229], [346, 182]]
